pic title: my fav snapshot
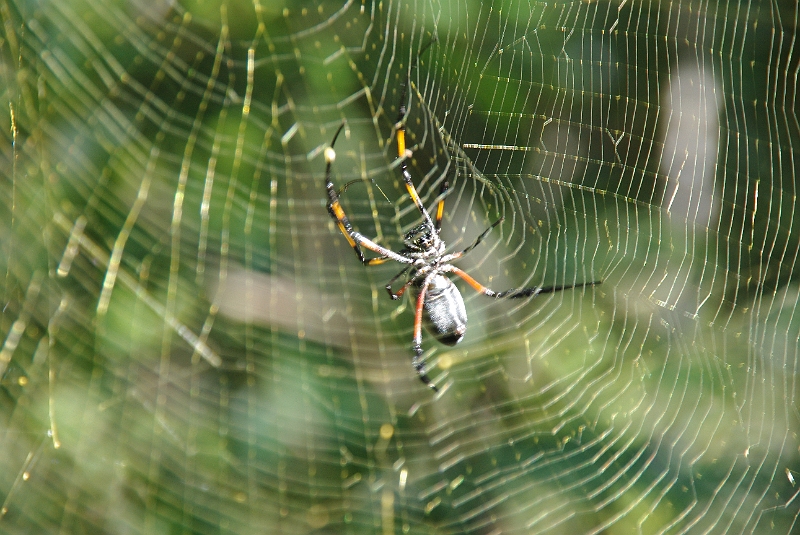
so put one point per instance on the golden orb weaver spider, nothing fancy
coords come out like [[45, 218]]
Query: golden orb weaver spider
[[439, 304]]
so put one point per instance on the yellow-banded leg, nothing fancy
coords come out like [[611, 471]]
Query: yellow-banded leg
[[355, 239]]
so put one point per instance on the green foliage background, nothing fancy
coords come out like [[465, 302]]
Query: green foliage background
[[189, 346]]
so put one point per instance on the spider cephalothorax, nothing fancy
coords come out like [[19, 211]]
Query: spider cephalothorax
[[420, 239]]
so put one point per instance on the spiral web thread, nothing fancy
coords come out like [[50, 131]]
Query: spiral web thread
[[189, 344]]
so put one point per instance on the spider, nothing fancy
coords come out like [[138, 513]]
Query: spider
[[439, 304]]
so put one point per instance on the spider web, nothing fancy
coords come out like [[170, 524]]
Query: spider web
[[189, 345]]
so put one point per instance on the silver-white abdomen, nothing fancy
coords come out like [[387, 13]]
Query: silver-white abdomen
[[444, 314]]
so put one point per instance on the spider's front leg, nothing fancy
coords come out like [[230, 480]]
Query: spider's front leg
[[355, 239]]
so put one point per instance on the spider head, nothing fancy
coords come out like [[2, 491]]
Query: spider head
[[419, 239]]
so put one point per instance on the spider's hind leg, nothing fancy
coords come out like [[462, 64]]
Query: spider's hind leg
[[417, 362], [419, 367]]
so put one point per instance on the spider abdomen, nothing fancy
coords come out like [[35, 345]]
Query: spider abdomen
[[443, 311]]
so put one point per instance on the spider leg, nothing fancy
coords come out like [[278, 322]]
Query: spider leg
[[355, 239], [419, 366], [440, 205], [475, 243], [403, 154], [514, 293], [402, 290]]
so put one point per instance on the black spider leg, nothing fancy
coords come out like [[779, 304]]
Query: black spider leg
[[527, 292], [355, 239], [454, 256]]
